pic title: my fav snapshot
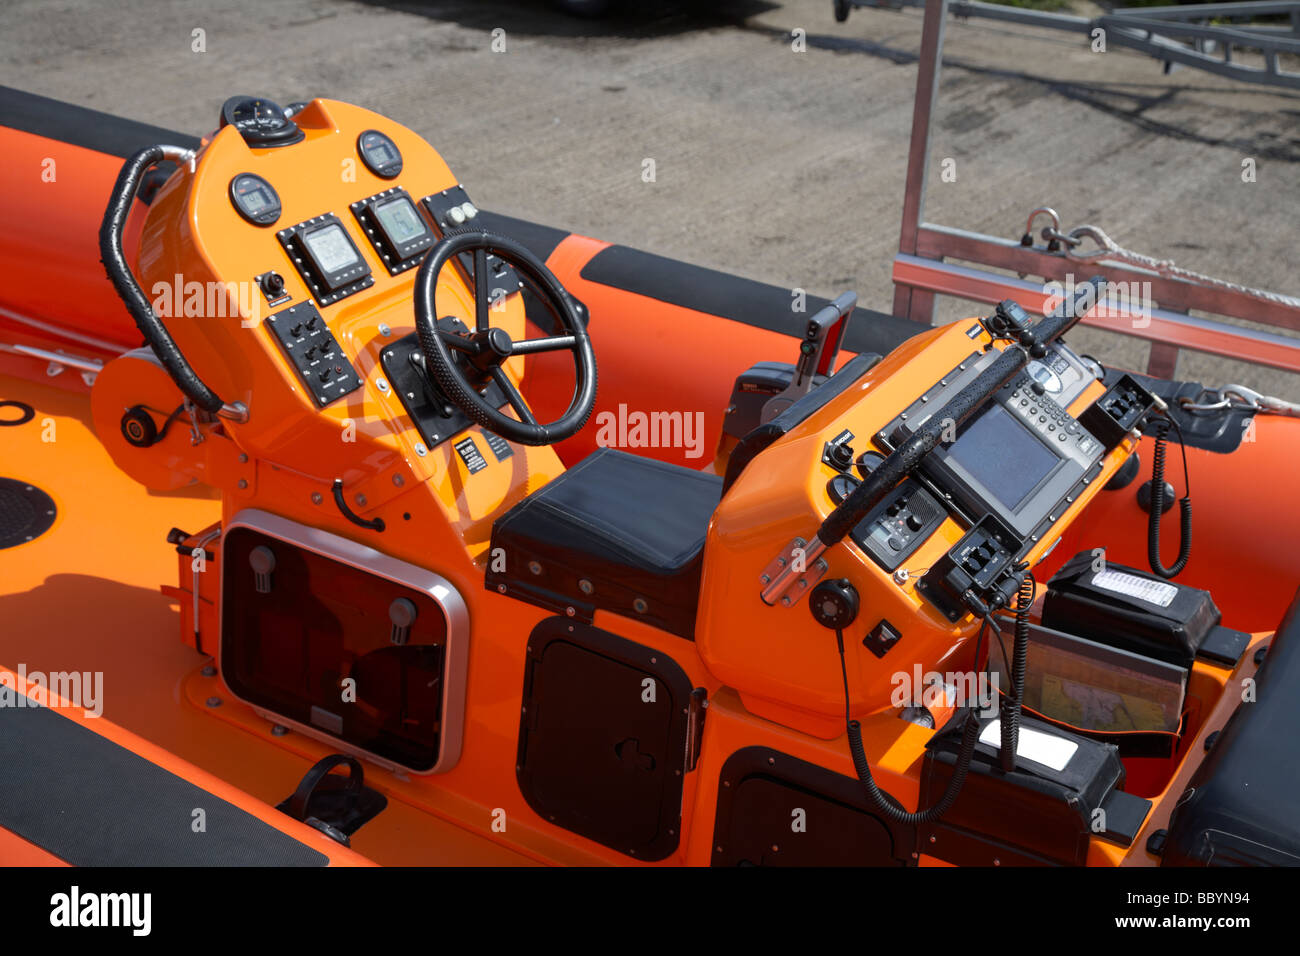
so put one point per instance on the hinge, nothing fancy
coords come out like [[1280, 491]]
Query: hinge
[[696, 709]]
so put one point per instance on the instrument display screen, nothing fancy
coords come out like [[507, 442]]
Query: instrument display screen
[[254, 199], [400, 220], [1008, 460], [380, 154], [326, 258], [331, 248]]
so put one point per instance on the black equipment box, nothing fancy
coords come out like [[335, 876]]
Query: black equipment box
[[1129, 609], [1065, 790]]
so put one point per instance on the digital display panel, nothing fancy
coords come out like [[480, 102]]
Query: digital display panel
[[400, 220], [254, 200], [331, 248], [379, 153], [1003, 456]]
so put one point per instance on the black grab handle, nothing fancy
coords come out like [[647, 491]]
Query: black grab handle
[[119, 273]]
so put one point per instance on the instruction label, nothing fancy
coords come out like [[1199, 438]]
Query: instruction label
[[500, 447], [470, 455], [1158, 593]]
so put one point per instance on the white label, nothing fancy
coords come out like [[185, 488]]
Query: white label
[[1144, 589], [1050, 751]]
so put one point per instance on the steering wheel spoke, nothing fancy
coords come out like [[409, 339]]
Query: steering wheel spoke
[[482, 321], [512, 395], [554, 343], [460, 343]]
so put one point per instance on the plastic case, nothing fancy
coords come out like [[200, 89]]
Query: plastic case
[[1129, 609]]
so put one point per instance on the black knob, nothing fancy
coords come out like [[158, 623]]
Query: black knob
[[834, 603], [840, 455], [138, 428], [273, 285], [914, 522]]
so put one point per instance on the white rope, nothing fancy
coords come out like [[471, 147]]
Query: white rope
[[1164, 267]]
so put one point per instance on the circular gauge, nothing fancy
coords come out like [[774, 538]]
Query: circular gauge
[[1044, 376], [255, 199], [867, 462], [379, 153], [260, 121]]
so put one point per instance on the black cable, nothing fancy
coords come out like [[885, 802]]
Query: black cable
[[1009, 712], [1161, 430], [162, 432], [886, 804]]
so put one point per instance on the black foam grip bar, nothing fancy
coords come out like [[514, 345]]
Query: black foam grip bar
[[903, 459], [119, 273], [1068, 313]]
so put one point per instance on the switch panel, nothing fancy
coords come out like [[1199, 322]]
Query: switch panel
[[314, 353], [450, 210], [896, 527], [975, 567]]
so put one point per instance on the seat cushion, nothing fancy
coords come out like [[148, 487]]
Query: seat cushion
[[616, 532]]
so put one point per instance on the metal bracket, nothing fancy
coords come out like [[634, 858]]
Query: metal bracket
[[793, 572]]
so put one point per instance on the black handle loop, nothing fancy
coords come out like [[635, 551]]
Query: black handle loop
[[119, 273], [301, 798], [374, 524]]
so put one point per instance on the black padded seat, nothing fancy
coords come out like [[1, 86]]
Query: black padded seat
[[1239, 808], [616, 532]]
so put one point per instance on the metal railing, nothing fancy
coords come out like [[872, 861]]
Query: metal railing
[[1160, 32], [923, 267]]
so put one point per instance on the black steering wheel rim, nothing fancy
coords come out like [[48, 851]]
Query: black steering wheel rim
[[487, 348]]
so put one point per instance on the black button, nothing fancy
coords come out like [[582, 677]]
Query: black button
[[896, 543]]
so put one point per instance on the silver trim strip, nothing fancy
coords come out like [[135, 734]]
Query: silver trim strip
[[381, 565]]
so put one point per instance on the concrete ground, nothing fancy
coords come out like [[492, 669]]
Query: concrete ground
[[780, 165]]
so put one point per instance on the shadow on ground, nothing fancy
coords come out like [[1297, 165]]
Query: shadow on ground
[[629, 19]]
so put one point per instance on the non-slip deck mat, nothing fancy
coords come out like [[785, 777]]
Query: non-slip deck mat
[[26, 512], [92, 802]]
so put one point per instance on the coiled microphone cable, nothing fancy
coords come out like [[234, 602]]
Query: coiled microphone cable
[[1161, 431]]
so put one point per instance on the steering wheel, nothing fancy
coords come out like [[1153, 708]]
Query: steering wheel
[[461, 365]]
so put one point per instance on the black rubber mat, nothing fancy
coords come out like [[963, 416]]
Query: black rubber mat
[[92, 802], [26, 512]]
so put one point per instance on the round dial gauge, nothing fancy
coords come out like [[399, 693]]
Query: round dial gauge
[[255, 199], [379, 153]]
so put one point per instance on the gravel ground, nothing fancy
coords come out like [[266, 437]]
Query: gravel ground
[[780, 165]]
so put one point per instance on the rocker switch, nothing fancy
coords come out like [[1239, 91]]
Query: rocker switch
[[262, 560], [402, 613]]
